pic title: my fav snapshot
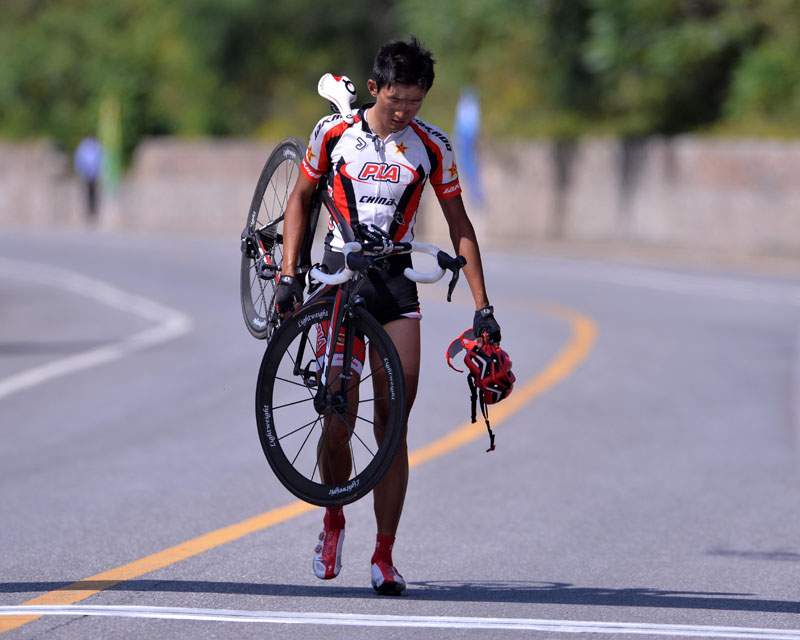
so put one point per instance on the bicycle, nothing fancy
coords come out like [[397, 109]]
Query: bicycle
[[312, 406]]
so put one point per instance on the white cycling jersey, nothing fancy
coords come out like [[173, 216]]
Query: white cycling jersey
[[380, 182]]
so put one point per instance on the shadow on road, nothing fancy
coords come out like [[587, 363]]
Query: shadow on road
[[448, 591]]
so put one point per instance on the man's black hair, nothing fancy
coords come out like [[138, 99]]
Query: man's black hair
[[403, 63]]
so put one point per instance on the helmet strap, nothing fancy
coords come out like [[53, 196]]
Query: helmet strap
[[477, 398]]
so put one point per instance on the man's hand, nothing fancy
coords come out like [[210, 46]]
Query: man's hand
[[289, 295], [484, 323]]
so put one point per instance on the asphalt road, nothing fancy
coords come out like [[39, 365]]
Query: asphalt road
[[645, 480]]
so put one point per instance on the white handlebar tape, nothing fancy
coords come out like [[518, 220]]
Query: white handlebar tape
[[342, 276], [354, 247], [425, 278]]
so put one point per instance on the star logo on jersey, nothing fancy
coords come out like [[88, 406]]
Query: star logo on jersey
[[453, 171], [400, 148], [310, 156]]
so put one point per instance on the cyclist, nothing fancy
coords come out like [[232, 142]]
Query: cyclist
[[376, 169]]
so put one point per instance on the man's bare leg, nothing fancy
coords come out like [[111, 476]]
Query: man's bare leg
[[390, 492]]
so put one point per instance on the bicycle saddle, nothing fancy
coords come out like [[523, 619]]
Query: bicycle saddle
[[340, 92]]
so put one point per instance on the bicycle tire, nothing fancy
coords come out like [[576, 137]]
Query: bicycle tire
[[265, 224], [291, 429]]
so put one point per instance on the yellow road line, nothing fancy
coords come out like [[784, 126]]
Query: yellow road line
[[583, 332], [72, 593]]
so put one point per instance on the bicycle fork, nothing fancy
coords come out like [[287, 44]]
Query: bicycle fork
[[326, 398], [333, 399]]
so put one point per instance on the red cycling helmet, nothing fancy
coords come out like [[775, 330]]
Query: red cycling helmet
[[489, 366]]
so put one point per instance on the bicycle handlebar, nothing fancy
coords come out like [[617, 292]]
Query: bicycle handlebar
[[354, 262], [426, 278]]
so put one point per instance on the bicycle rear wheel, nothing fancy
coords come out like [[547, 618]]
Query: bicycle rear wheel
[[262, 238], [297, 424]]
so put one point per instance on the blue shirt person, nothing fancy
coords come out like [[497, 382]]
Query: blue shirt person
[[88, 161], [467, 128]]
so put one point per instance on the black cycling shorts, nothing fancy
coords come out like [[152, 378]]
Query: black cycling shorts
[[388, 294]]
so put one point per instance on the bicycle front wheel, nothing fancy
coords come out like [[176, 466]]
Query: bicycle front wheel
[[262, 239], [353, 422]]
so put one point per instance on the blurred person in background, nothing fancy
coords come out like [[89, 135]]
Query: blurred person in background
[[88, 162], [467, 127]]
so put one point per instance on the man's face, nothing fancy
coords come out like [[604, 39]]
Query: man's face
[[396, 105]]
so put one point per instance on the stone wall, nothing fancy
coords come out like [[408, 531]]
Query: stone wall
[[36, 187], [726, 195], [201, 187], [731, 196]]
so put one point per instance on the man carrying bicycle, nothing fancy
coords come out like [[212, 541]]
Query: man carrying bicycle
[[376, 169]]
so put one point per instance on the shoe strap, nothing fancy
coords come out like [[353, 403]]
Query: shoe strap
[[477, 398]]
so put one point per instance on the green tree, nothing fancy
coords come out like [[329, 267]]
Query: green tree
[[493, 45], [541, 67], [765, 88], [61, 59], [277, 53], [188, 67], [664, 66]]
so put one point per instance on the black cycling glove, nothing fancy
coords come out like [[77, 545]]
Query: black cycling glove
[[289, 293], [484, 323]]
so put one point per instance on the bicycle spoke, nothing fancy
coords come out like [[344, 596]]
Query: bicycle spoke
[[296, 402], [267, 208], [306, 425], [372, 373], [374, 425], [354, 471], [260, 301], [295, 383], [361, 380], [282, 200], [364, 444], [350, 430], [322, 446], [289, 352], [302, 446], [272, 222]]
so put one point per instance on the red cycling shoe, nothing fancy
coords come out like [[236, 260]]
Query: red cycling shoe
[[386, 580], [328, 554]]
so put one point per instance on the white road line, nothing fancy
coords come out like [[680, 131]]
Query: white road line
[[425, 622], [170, 323]]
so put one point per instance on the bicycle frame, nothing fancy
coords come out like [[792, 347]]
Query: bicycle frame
[[359, 257]]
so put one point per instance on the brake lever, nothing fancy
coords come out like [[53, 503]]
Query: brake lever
[[460, 261], [451, 287]]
